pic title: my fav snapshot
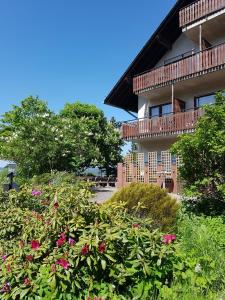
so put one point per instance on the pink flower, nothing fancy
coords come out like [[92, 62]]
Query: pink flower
[[101, 247], [136, 225], [63, 263], [169, 238], [36, 193], [85, 249], [35, 245], [4, 257], [61, 240], [71, 241], [26, 281], [29, 257]]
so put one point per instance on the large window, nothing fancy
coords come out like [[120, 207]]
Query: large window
[[203, 100], [160, 110]]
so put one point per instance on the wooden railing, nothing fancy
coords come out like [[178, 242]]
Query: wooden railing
[[194, 65], [166, 125], [198, 10]]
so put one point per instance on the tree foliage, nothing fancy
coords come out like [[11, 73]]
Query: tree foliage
[[203, 158], [40, 141]]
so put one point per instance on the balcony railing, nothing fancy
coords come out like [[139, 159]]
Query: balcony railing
[[196, 64], [198, 10], [158, 126]]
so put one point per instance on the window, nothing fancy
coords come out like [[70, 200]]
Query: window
[[160, 110], [203, 100]]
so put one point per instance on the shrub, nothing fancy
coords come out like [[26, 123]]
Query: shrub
[[69, 248], [147, 200]]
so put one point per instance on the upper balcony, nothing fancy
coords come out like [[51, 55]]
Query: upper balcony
[[184, 67], [171, 124], [199, 10]]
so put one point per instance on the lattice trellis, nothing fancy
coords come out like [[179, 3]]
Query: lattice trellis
[[129, 167], [152, 166], [166, 161], [140, 167]]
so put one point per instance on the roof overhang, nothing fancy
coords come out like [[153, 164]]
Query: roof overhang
[[161, 41]]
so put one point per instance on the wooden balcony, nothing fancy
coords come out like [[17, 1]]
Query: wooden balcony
[[197, 64], [167, 125], [199, 10]]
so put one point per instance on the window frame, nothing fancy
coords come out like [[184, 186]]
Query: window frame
[[160, 110], [196, 99]]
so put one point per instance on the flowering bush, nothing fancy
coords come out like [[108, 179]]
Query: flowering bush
[[68, 248]]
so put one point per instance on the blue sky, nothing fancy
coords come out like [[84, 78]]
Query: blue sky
[[71, 50]]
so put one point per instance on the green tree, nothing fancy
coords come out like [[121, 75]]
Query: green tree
[[27, 137], [103, 137], [203, 158], [40, 141]]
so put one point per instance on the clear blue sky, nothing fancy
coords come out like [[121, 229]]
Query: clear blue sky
[[65, 50], [68, 50]]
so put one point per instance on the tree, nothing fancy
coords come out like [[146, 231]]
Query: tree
[[203, 158], [104, 138], [40, 141]]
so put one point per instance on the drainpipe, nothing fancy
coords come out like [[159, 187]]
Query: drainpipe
[[200, 37], [173, 106]]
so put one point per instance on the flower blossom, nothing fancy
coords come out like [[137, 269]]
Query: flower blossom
[[63, 263], [56, 205], [4, 257], [26, 281], [71, 242], [5, 288], [61, 240], [101, 247], [35, 245], [85, 249], [169, 238], [198, 268], [36, 193], [53, 268], [29, 257]]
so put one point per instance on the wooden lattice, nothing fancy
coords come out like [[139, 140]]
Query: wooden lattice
[[152, 166], [129, 167], [140, 167], [166, 161]]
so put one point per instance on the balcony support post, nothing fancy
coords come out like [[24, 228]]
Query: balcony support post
[[200, 37], [172, 90]]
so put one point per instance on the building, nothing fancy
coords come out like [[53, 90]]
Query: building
[[178, 70]]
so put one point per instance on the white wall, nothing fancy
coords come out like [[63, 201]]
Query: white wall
[[181, 45]]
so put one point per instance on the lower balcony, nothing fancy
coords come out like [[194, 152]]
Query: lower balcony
[[171, 124]]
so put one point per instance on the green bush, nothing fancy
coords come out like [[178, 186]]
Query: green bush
[[64, 247], [147, 200]]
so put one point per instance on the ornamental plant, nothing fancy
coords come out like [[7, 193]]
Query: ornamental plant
[[79, 250], [148, 201]]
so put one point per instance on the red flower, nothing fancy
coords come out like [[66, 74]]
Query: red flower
[[35, 245], [101, 247], [63, 263], [29, 257], [136, 225], [169, 238], [56, 205], [85, 249], [26, 281], [61, 240]]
